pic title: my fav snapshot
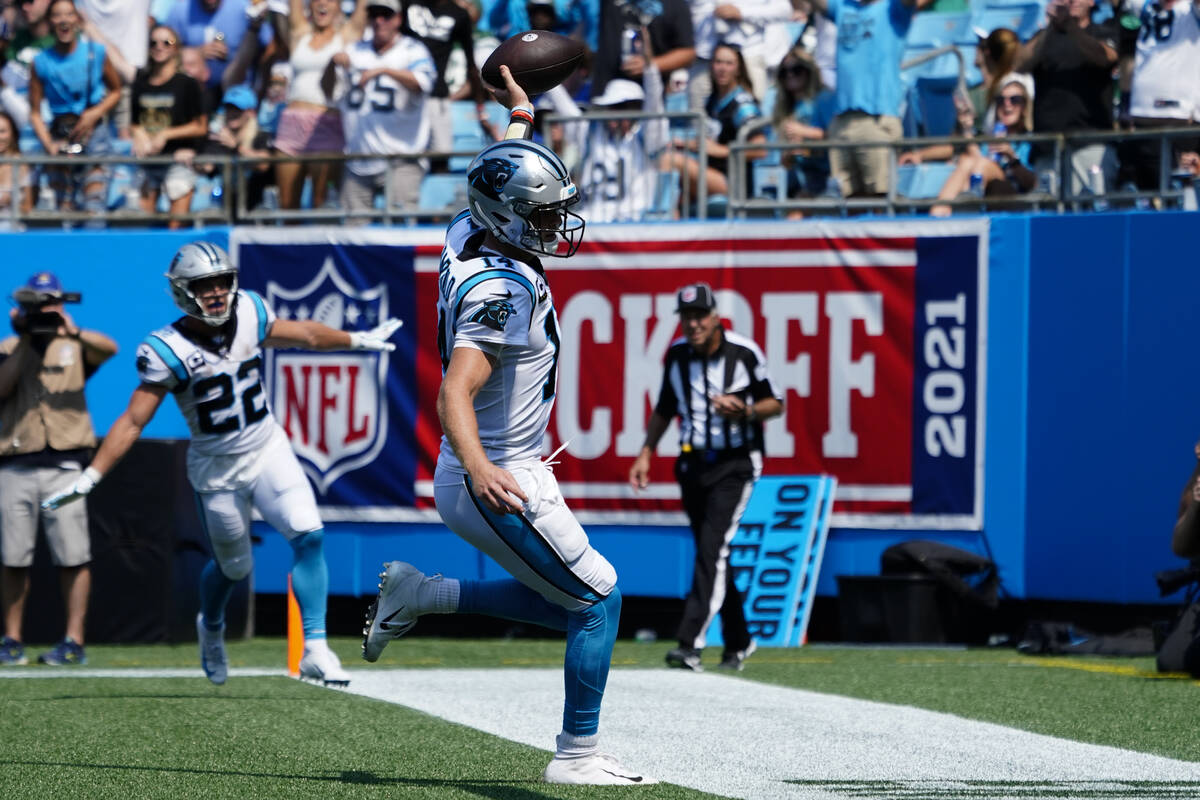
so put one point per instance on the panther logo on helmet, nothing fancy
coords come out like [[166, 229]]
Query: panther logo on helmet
[[491, 176]]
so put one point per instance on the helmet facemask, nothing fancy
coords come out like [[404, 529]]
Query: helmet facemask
[[548, 225], [187, 297]]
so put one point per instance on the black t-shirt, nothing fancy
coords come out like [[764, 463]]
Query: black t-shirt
[[168, 105], [1072, 93], [439, 25], [670, 30]]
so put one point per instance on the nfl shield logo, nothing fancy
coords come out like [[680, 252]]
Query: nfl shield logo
[[331, 404]]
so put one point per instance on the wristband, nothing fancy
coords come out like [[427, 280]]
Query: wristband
[[522, 113], [751, 414]]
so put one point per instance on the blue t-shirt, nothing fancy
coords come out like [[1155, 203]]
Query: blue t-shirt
[[870, 45], [192, 22], [65, 77]]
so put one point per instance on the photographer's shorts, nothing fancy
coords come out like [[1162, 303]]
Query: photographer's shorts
[[22, 489]]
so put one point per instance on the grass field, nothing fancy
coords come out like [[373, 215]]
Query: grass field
[[275, 737]]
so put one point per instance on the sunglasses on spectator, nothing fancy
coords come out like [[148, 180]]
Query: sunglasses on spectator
[[380, 13], [1010, 100], [794, 69], [162, 42]]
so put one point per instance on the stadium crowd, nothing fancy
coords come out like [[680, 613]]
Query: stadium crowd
[[806, 89]]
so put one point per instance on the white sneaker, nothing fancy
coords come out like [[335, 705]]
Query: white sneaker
[[321, 665], [212, 651], [599, 769], [396, 608]]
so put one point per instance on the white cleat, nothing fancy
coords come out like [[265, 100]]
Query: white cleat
[[212, 651], [599, 769], [395, 610], [321, 665]]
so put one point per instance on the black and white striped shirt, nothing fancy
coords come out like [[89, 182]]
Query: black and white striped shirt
[[691, 380]]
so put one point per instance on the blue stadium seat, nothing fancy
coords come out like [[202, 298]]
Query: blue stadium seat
[[932, 29], [921, 181], [942, 66], [1023, 17], [934, 101], [441, 191], [666, 197]]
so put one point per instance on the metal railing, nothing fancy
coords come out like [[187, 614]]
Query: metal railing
[[1173, 190]]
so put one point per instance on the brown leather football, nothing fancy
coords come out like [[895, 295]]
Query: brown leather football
[[538, 60]]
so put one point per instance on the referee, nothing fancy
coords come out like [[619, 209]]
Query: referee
[[716, 382]]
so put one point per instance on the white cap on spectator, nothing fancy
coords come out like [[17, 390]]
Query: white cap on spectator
[[619, 90], [1024, 80], [281, 69], [391, 5]]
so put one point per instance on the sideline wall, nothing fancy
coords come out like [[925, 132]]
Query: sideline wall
[[1089, 426]]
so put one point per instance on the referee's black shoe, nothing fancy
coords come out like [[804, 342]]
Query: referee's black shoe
[[735, 660], [685, 658]]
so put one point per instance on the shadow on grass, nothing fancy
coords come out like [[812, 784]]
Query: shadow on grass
[[496, 789]]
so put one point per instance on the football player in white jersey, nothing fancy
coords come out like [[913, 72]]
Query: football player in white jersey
[[498, 337], [210, 360]]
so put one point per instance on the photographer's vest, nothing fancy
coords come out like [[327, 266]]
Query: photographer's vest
[[47, 408]]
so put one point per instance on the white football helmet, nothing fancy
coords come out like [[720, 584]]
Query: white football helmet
[[194, 262], [521, 192]]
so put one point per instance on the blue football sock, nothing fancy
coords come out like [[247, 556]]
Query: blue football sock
[[215, 590], [510, 599], [591, 634], [310, 581]]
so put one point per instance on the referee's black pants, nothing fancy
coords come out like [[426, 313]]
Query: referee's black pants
[[714, 496]]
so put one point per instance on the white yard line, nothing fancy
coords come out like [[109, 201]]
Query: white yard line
[[738, 738]]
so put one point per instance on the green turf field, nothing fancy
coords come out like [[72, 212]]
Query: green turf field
[[275, 737]]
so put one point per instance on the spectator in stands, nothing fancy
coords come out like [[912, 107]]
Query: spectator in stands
[[168, 116], [1071, 61], [31, 36], [45, 438], [803, 110], [730, 106], [618, 54], [996, 56], [383, 111], [618, 177], [16, 180], [1003, 168], [122, 26], [311, 124], [81, 87], [1166, 71], [744, 25], [270, 108], [237, 133], [870, 44], [216, 28], [568, 17], [440, 25]]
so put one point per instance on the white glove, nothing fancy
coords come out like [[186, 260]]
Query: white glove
[[377, 337], [80, 488]]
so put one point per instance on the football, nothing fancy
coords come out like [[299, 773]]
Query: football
[[539, 60]]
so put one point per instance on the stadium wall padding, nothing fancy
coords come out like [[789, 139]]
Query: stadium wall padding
[[1091, 399]]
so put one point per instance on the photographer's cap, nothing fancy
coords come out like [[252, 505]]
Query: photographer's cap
[[695, 296], [44, 282]]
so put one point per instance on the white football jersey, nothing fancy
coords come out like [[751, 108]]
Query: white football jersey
[[1166, 69], [220, 394], [383, 116], [502, 307]]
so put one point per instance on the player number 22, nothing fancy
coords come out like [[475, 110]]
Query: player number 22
[[253, 407]]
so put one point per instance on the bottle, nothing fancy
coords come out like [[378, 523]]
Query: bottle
[[976, 187], [631, 43], [1096, 184], [999, 129]]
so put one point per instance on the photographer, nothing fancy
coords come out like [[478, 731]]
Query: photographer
[[81, 85], [45, 436]]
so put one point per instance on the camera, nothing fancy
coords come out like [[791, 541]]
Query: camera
[[33, 319]]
